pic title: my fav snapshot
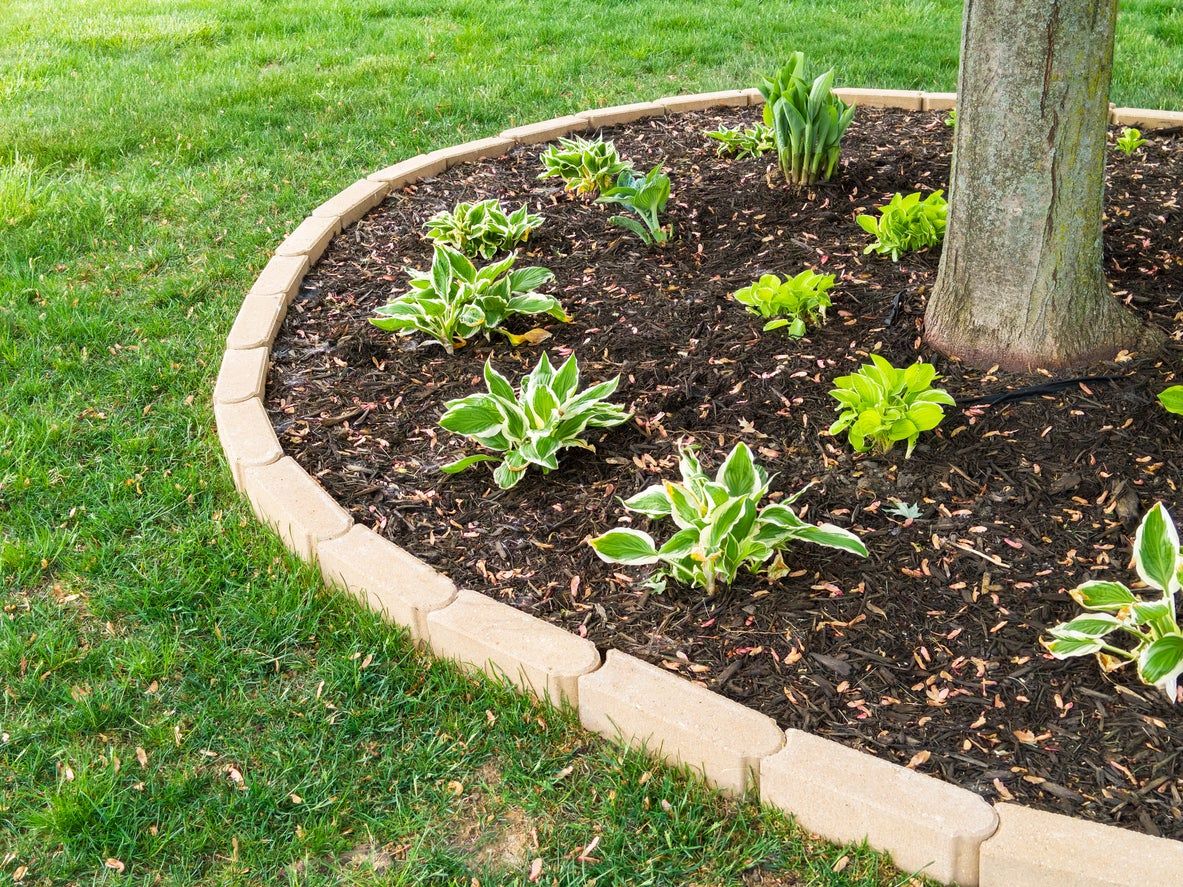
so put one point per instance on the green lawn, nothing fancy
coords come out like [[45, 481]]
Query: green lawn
[[151, 155]]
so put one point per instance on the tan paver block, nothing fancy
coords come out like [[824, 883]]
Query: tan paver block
[[845, 795], [755, 97], [1145, 118], [280, 277], [416, 169], [939, 101], [257, 322], [243, 375], [731, 98], [615, 114], [247, 436], [494, 146], [910, 100], [385, 578], [1037, 849], [288, 499], [310, 238], [354, 202], [546, 130], [488, 635], [641, 704]]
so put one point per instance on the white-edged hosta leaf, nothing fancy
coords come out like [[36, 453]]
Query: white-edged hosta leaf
[[1066, 648], [1161, 663], [1103, 595], [1156, 550], [832, 536], [651, 502], [738, 472], [1090, 625]]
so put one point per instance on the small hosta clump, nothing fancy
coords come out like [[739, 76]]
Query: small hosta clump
[[792, 302], [454, 301], [584, 165], [721, 526], [646, 197], [482, 229], [1116, 613], [1130, 141], [754, 141], [529, 426], [907, 224], [880, 405]]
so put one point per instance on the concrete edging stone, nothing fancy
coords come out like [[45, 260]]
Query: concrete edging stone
[[841, 793]]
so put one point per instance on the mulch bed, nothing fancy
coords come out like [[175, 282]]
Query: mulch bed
[[926, 653]]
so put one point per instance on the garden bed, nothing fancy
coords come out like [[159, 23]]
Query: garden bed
[[926, 653]]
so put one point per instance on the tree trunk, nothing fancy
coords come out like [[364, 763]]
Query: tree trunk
[[1021, 281]]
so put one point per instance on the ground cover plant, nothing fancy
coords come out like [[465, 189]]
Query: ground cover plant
[[585, 165], [148, 609], [926, 651], [1130, 141], [645, 197]]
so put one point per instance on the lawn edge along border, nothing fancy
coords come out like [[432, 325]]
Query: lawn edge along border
[[842, 794]]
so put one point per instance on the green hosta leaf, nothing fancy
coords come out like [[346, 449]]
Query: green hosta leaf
[[925, 416], [1066, 648], [1156, 550], [680, 545], [651, 502], [1156, 612], [1101, 595], [1172, 399], [1161, 663], [473, 416], [625, 546], [467, 462]]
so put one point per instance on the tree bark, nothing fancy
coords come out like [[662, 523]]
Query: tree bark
[[1021, 281]]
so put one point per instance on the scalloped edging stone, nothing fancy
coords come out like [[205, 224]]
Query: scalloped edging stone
[[1039, 849], [543, 659], [928, 826], [386, 578], [840, 793], [631, 701], [287, 499]]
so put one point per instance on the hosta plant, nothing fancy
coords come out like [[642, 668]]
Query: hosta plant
[[1130, 141], [951, 118], [530, 425], [753, 141], [646, 197], [1172, 399], [721, 526], [880, 405], [789, 302], [454, 300], [482, 229], [1115, 613], [584, 165], [907, 224], [807, 122]]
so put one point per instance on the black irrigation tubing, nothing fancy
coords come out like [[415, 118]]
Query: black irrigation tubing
[[1001, 397]]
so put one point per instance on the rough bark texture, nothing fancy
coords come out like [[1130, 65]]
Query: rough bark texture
[[1021, 282]]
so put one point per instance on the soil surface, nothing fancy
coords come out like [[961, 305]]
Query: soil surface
[[926, 653]]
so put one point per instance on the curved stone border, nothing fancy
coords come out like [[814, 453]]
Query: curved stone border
[[950, 834]]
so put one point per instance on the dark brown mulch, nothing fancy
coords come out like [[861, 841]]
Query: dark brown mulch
[[927, 652]]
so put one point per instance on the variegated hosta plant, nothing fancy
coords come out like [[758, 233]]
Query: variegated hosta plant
[[483, 228], [584, 165], [531, 425], [1116, 613], [455, 300], [721, 526]]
